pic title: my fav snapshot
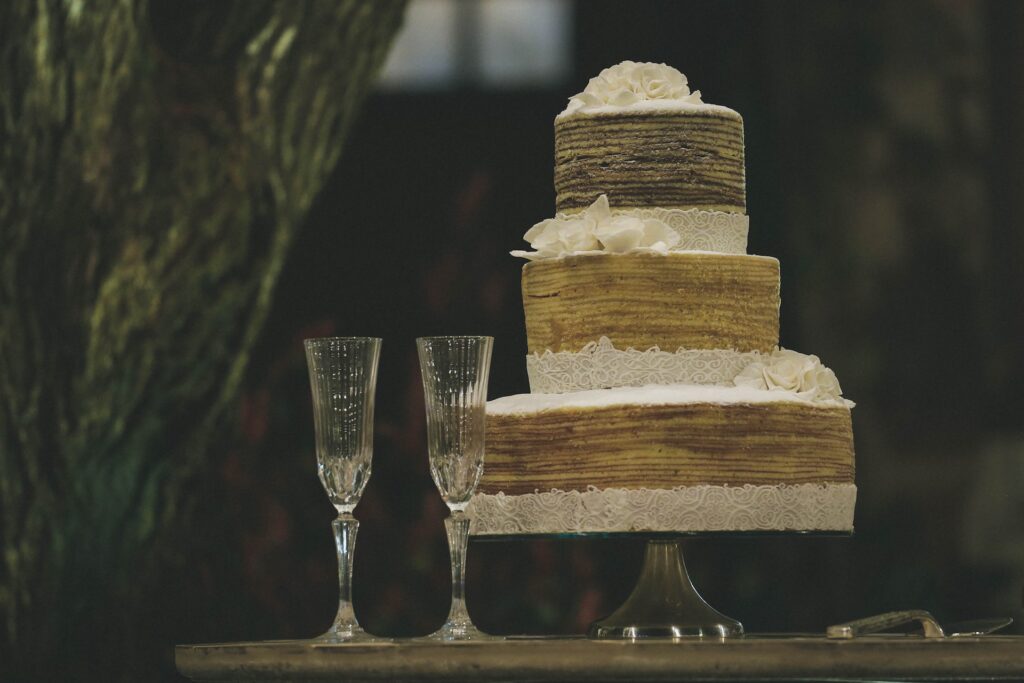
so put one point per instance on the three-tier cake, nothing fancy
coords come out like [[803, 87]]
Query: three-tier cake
[[660, 400]]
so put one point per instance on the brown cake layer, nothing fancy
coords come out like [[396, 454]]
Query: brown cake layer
[[690, 300], [664, 446], [654, 158]]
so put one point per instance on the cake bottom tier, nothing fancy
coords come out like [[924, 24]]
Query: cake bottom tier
[[690, 459]]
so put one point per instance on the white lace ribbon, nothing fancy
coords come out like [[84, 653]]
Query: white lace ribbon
[[599, 365], [698, 229], [782, 507]]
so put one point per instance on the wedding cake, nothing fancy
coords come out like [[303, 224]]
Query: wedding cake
[[660, 400]]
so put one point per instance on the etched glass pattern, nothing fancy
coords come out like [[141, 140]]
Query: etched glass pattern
[[343, 381], [343, 378], [455, 371]]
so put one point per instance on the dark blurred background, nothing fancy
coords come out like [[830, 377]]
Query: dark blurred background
[[885, 169]]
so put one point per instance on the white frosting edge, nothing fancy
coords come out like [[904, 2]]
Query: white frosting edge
[[649, 395], [705, 507], [673, 106], [674, 252]]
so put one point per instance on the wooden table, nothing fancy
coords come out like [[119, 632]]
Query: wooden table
[[775, 658]]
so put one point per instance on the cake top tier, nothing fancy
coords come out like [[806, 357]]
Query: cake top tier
[[638, 135], [638, 86]]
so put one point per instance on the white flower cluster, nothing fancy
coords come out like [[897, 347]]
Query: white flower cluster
[[630, 82], [791, 371], [596, 230]]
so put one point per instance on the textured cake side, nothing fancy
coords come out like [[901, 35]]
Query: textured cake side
[[688, 300], [688, 158], [665, 446]]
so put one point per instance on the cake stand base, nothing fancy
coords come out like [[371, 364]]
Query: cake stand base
[[664, 603]]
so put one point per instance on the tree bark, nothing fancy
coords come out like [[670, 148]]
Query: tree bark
[[156, 160]]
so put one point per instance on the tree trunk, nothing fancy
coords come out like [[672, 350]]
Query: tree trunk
[[156, 160]]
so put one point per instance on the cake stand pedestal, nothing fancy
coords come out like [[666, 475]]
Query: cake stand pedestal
[[664, 603]]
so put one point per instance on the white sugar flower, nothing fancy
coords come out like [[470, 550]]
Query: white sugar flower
[[659, 236], [622, 234], [659, 82], [599, 211], [627, 83], [825, 382], [595, 229], [557, 237], [786, 370]]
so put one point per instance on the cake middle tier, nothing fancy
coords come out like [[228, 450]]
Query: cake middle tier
[[693, 300]]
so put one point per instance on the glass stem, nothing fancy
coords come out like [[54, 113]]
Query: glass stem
[[457, 526], [345, 528]]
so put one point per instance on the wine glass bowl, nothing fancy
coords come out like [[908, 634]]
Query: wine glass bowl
[[457, 453], [455, 372], [343, 381]]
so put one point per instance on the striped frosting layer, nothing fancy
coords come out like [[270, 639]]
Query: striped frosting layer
[[690, 300], [653, 158]]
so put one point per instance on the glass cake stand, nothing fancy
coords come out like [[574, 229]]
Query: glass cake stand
[[664, 602]]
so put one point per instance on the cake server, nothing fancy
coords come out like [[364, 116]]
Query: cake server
[[878, 623]]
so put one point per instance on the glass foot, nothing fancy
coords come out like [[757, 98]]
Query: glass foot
[[349, 633], [664, 604], [459, 632]]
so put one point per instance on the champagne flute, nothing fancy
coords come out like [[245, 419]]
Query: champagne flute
[[343, 379], [455, 371]]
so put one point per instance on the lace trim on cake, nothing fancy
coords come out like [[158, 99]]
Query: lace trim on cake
[[782, 507], [698, 229], [599, 365]]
